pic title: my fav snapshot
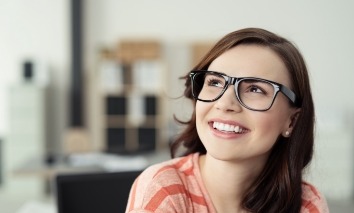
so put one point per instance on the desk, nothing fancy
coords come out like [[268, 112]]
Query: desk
[[87, 162], [37, 166]]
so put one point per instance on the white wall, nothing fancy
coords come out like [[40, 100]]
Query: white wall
[[323, 31], [37, 30]]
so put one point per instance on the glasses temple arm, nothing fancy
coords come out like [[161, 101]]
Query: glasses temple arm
[[290, 94]]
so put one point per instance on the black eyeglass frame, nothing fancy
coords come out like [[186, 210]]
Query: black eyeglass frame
[[235, 81]]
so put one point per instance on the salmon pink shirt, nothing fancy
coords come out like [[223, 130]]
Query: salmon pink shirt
[[176, 186]]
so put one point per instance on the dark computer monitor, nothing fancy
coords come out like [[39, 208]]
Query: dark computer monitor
[[94, 192]]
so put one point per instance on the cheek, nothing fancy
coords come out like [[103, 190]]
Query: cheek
[[272, 124], [266, 134], [280, 111], [201, 109]]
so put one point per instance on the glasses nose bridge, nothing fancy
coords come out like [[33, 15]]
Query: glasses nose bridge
[[233, 81]]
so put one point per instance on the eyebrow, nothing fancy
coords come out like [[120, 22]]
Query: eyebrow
[[217, 72], [273, 81]]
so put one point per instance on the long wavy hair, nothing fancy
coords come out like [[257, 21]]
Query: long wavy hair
[[278, 187]]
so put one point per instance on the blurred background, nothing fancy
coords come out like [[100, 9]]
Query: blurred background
[[90, 85]]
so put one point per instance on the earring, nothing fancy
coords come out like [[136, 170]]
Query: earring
[[287, 133]]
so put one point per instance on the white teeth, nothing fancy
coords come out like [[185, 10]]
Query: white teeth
[[237, 129], [227, 127]]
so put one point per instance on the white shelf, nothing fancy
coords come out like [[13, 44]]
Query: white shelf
[[27, 133]]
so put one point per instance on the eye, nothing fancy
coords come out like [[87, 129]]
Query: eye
[[255, 89], [214, 81]]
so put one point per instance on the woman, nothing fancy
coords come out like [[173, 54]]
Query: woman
[[249, 139]]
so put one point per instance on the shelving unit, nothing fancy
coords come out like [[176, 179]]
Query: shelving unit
[[27, 133], [130, 93]]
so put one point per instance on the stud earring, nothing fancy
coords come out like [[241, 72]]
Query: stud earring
[[287, 133]]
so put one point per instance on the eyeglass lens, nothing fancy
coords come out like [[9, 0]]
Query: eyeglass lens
[[252, 93]]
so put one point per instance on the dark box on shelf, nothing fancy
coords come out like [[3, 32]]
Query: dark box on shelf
[[116, 105], [147, 139], [115, 140], [150, 105]]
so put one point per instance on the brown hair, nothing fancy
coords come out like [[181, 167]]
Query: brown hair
[[278, 187]]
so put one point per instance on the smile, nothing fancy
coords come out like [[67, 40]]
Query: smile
[[228, 128]]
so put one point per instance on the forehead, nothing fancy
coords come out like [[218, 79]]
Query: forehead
[[252, 61]]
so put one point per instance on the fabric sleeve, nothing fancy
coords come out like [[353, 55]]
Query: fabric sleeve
[[313, 200]]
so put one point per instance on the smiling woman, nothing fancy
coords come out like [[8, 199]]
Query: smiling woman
[[249, 138]]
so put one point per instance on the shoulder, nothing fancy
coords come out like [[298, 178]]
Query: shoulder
[[312, 200], [168, 171], [157, 184]]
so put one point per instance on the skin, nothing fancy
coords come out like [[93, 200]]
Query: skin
[[233, 161]]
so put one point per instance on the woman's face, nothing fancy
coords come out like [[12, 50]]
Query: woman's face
[[260, 130]]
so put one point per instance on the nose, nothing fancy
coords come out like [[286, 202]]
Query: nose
[[228, 101]]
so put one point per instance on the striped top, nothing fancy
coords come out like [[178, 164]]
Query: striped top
[[176, 186]]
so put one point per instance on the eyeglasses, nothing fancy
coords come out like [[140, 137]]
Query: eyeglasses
[[256, 94]]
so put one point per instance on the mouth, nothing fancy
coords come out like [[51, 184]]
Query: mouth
[[229, 128]]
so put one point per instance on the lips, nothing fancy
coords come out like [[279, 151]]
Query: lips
[[229, 128]]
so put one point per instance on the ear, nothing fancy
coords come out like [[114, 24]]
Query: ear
[[291, 122]]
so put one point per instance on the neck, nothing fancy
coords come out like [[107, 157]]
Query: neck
[[227, 181]]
